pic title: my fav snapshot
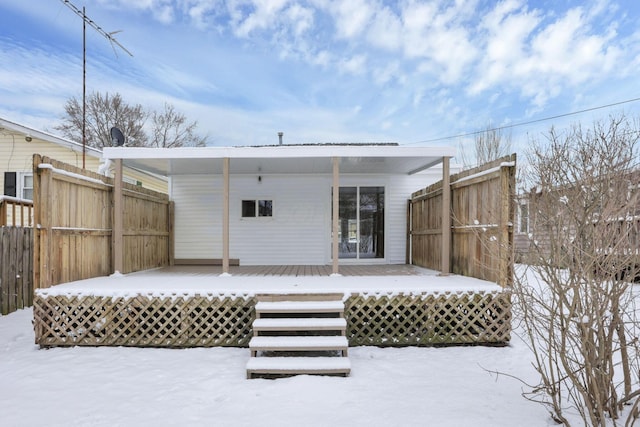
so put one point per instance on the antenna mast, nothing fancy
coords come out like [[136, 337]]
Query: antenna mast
[[109, 36]]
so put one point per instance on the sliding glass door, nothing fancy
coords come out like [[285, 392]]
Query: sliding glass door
[[361, 222]]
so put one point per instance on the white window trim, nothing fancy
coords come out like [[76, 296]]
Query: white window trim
[[257, 217], [20, 185]]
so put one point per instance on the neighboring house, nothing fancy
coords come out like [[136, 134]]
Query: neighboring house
[[273, 204], [18, 144], [610, 201]]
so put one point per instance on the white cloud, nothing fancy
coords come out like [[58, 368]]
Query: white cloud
[[263, 14], [162, 10], [385, 30], [351, 17], [541, 54], [300, 19], [354, 65], [438, 35], [508, 28], [389, 72]]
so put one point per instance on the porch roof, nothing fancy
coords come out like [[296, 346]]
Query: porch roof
[[288, 159]]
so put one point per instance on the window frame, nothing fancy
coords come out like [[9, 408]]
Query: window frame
[[256, 208]]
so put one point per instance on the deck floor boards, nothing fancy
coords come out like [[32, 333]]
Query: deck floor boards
[[303, 270]]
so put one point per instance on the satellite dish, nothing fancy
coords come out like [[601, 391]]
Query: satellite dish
[[117, 137]]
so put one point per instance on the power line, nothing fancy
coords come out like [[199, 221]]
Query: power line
[[526, 123]]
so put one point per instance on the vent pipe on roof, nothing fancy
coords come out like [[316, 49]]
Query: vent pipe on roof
[[280, 137]]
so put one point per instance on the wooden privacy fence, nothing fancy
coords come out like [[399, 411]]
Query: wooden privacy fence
[[74, 213], [16, 284], [482, 217]]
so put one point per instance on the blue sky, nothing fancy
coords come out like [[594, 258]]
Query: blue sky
[[413, 72]]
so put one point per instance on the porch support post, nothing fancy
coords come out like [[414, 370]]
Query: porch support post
[[334, 217], [118, 220], [225, 216], [446, 219]]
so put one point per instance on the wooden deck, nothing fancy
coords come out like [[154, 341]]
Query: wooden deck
[[194, 306], [304, 270]]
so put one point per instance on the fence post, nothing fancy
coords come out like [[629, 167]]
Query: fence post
[[117, 221], [507, 195], [42, 218], [446, 219]]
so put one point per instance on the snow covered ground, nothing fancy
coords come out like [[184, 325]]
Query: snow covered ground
[[85, 386], [411, 386]]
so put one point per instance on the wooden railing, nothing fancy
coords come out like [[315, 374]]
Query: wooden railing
[[16, 212]]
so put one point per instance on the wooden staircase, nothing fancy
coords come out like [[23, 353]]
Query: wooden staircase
[[295, 334]]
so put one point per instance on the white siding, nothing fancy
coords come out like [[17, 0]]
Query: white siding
[[198, 216], [299, 231], [296, 234]]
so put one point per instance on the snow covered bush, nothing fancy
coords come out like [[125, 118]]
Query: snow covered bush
[[580, 318]]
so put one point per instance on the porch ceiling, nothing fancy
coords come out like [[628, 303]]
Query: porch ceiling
[[281, 159]]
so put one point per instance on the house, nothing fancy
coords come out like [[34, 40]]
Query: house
[[597, 220], [18, 144], [244, 223], [277, 205]]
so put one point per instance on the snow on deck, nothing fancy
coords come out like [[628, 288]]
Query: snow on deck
[[185, 283]]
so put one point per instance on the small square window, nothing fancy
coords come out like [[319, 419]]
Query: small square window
[[248, 208], [265, 207]]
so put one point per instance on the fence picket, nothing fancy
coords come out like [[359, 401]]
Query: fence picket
[[16, 282]]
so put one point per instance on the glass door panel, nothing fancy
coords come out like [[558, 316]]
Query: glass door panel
[[361, 222], [371, 232], [348, 220]]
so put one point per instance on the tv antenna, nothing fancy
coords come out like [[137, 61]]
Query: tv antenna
[[109, 36]]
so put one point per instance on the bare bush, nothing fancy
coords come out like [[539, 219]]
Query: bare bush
[[580, 317], [489, 144]]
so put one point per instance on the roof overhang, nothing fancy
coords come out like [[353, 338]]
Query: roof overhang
[[17, 128], [292, 159]]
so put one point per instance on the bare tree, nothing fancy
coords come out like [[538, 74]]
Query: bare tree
[[489, 144], [171, 129], [579, 319], [104, 112], [168, 128]]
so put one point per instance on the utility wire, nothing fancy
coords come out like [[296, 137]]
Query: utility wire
[[526, 123]]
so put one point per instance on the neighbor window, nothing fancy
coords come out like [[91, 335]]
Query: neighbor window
[[523, 226], [27, 186], [19, 184], [253, 208]]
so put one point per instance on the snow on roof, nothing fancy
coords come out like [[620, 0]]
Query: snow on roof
[[315, 158]]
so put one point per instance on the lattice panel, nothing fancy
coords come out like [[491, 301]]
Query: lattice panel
[[143, 321], [206, 321], [429, 319]]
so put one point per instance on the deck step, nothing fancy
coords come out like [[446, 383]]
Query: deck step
[[298, 366], [296, 334], [300, 324], [285, 307], [297, 343]]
